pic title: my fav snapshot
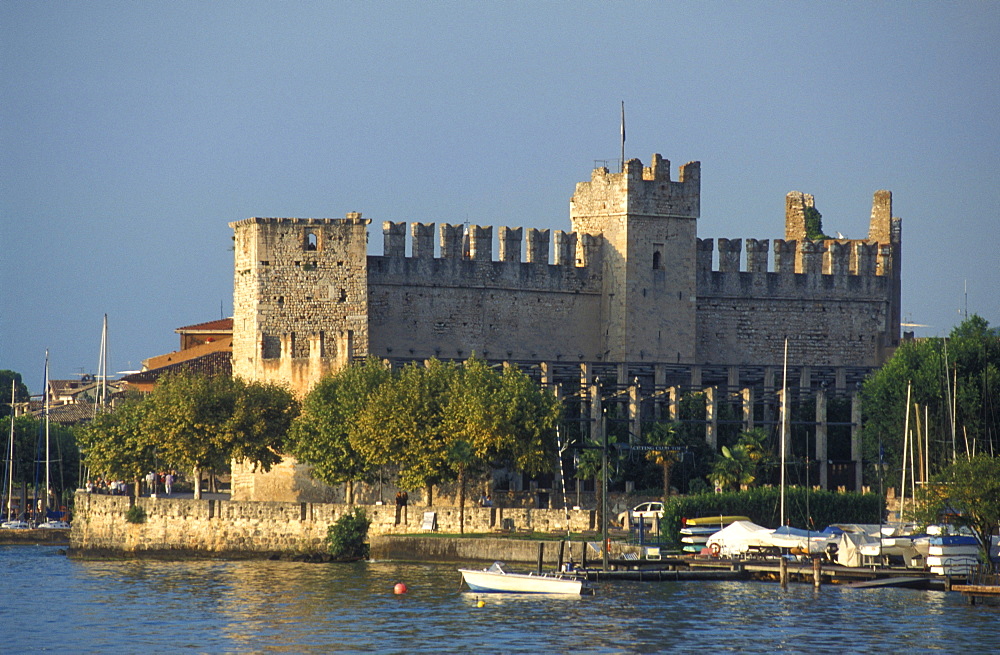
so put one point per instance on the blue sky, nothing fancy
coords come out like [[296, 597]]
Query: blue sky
[[131, 133]]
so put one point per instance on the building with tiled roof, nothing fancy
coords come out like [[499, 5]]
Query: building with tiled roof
[[212, 363], [196, 341]]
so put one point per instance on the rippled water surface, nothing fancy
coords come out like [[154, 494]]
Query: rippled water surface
[[51, 603]]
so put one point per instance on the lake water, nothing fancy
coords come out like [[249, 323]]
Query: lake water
[[51, 603]]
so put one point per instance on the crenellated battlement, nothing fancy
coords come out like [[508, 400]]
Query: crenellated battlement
[[475, 243], [638, 190], [836, 257]]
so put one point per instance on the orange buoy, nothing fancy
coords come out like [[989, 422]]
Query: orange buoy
[[400, 588]]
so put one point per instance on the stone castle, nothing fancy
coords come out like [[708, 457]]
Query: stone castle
[[630, 284], [629, 295]]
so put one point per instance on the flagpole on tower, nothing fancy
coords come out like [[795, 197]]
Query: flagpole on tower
[[623, 136]]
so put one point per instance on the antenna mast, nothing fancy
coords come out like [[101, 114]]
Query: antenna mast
[[623, 136]]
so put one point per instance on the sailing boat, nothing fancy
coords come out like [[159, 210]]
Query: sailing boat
[[12, 522], [48, 524]]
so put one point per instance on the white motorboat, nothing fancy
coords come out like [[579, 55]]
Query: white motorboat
[[15, 524], [496, 579], [54, 525]]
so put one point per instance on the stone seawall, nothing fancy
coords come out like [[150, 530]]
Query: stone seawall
[[484, 550], [260, 529]]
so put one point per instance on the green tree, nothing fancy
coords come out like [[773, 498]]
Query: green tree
[[528, 419], [814, 224], [971, 355], [262, 415], [754, 444], [185, 416], [734, 469], [402, 423], [190, 421], [116, 445], [966, 493], [496, 420], [436, 422], [325, 432], [20, 391]]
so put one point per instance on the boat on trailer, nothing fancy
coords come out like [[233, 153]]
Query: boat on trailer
[[497, 580]]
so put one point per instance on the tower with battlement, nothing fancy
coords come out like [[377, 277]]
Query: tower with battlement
[[300, 297], [648, 227]]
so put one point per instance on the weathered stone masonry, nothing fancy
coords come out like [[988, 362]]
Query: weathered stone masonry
[[223, 527], [631, 283]]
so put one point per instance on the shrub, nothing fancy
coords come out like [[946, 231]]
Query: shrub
[[135, 514], [346, 538]]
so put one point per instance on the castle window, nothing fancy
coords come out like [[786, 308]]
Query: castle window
[[657, 256], [312, 241], [270, 347]]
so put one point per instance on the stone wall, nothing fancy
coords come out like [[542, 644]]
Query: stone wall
[[510, 551], [833, 299], [449, 308], [241, 528]]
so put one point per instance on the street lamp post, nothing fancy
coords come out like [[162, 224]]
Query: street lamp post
[[604, 488]]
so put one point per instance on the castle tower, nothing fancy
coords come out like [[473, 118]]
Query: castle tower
[[300, 297], [649, 225], [888, 229]]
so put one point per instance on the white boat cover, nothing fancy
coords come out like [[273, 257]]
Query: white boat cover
[[738, 538]]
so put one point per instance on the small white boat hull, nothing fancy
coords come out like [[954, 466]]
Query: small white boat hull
[[15, 525], [496, 580], [54, 525]]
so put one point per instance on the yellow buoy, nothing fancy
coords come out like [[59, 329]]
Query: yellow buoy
[[481, 603]]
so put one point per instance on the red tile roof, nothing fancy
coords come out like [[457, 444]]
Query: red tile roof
[[220, 325], [216, 363]]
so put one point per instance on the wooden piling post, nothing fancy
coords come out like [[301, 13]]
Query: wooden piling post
[[817, 572], [562, 551], [783, 572], [541, 554]]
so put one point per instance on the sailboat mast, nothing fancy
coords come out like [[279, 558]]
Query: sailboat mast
[[48, 458], [101, 397], [104, 361], [10, 457], [906, 436], [784, 422]]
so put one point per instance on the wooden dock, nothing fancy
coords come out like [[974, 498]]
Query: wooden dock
[[980, 587], [663, 575], [694, 568]]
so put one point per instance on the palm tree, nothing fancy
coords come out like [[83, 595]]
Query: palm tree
[[666, 435], [734, 469]]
